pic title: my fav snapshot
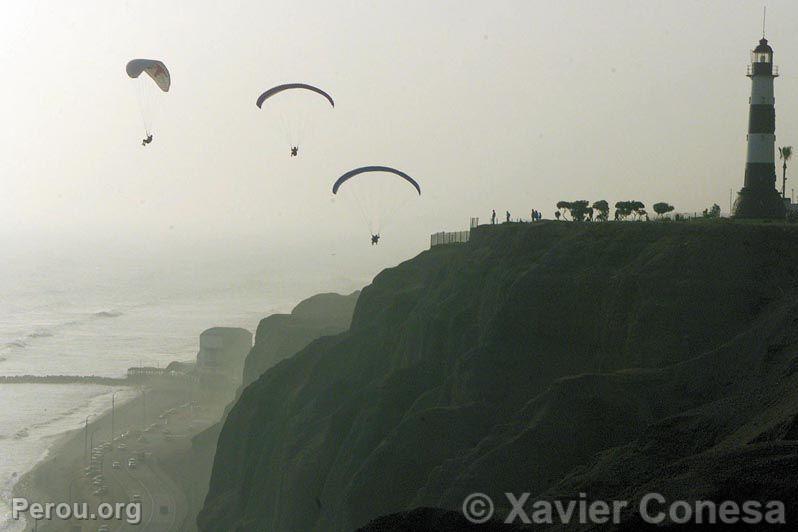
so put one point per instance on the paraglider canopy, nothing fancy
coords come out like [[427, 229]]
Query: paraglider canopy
[[288, 86], [364, 169], [378, 192], [154, 69], [293, 110]]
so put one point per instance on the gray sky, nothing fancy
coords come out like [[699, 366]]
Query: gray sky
[[505, 105]]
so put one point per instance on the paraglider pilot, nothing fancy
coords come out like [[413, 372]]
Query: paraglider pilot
[[375, 239], [146, 140], [294, 151]]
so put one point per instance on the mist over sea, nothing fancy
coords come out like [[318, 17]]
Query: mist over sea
[[100, 310]]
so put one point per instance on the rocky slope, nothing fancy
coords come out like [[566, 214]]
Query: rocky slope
[[550, 358], [281, 335], [278, 336]]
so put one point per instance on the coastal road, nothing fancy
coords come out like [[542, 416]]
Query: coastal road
[[163, 504]]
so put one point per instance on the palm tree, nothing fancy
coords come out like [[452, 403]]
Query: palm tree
[[785, 153]]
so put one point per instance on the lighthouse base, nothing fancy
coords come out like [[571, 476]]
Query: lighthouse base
[[764, 204]]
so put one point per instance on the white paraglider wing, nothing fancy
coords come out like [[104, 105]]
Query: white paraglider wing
[[154, 69], [149, 88]]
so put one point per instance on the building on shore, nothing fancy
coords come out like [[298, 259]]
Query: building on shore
[[219, 364], [221, 355], [759, 198]]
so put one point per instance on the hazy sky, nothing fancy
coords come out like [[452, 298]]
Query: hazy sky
[[502, 104]]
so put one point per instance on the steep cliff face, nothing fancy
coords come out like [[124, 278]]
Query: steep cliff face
[[541, 358], [281, 335]]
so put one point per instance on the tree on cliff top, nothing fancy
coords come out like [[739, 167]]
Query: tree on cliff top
[[603, 209], [623, 209], [785, 154], [578, 210], [712, 212], [662, 208], [630, 208], [563, 206], [639, 208]]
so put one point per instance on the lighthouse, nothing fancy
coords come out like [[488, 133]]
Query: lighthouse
[[759, 198]]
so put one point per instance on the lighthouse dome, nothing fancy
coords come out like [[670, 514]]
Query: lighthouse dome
[[763, 47]]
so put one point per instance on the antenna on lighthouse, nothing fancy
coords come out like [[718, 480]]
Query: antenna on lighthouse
[[764, 16]]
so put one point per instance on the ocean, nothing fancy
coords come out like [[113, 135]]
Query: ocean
[[100, 311]]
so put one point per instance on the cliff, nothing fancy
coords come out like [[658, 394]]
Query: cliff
[[278, 336], [550, 358], [281, 335]]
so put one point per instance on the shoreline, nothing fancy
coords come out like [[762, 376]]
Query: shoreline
[[52, 479], [66, 379], [98, 418]]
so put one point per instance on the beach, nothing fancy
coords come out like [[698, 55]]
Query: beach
[[59, 478]]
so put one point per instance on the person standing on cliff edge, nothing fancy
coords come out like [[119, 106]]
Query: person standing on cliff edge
[[493, 217]]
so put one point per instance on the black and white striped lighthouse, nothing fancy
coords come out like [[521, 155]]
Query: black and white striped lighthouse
[[759, 197]]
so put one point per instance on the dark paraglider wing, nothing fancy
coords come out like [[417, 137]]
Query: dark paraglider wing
[[365, 169], [378, 192], [153, 68], [289, 86]]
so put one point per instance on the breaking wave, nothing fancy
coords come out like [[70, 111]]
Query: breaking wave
[[16, 344], [107, 314], [40, 333]]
